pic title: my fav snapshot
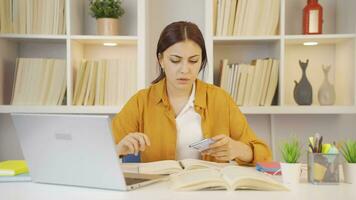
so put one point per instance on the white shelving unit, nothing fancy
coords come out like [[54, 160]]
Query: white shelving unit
[[336, 48], [141, 26], [79, 42]]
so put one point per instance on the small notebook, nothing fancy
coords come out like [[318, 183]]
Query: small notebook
[[13, 167], [25, 177], [272, 168]]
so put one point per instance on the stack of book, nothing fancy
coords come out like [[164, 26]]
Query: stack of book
[[105, 82], [246, 17], [250, 84], [32, 16], [39, 82], [14, 170]]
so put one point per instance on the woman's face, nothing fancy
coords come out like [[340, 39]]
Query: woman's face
[[181, 63]]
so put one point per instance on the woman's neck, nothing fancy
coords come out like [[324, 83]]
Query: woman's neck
[[178, 93]]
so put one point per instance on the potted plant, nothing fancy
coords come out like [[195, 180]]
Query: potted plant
[[107, 14], [348, 150], [291, 168]]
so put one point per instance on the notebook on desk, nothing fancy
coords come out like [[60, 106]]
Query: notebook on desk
[[76, 150]]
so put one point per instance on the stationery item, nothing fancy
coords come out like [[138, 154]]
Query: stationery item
[[316, 143], [273, 168], [323, 168], [13, 167], [230, 178], [24, 177]]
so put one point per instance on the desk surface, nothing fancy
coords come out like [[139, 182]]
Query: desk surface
[[303, 191]]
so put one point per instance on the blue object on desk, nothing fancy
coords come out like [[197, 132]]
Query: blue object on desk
[[131, 158]]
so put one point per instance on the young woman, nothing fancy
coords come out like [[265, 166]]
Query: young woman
[[178, 109]]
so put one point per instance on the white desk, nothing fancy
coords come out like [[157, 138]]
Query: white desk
[[304, 191]]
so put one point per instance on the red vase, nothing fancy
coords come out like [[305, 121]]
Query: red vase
[[312, 18]]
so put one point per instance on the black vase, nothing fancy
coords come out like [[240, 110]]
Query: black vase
[[303, 92]]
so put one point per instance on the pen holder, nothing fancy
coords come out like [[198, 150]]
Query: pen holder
[[323, 168]]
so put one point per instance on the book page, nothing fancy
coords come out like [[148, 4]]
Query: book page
[[189, 164], [198, 179], [248, 178], [160, 167]]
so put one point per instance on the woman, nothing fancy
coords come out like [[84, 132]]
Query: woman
[[178, 109]]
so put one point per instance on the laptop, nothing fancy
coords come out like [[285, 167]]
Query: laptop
[[77, 150]]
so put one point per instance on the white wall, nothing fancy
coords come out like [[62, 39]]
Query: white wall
[[163, 12]]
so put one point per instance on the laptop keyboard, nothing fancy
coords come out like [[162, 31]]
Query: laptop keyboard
[[131, 181]]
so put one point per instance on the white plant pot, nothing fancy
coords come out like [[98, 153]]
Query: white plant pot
[[291, 172], [350, 172]]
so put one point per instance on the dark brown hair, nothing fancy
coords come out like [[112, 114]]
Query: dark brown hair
[[178, 32]]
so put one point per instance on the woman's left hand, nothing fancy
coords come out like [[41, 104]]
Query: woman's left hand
[[226, 149]]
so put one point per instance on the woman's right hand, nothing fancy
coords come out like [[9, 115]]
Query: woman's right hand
[[132, 144]]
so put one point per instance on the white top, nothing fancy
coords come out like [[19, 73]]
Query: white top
[[188, 123]]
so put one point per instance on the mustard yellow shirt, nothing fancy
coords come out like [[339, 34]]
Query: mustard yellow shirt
[[150, 112]]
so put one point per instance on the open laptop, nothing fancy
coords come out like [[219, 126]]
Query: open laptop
[[76, 150]]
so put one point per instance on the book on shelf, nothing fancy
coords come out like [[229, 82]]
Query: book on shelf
[[171, 166], [105, 82], [39, 81], [246, 17], [251, 84], [229, 178], [272, 83], [13, 167], [32, 16]]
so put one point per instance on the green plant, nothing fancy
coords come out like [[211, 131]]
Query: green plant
[[291, 150], [348, 150], [106, 8]]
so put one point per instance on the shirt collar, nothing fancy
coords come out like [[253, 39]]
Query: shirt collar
[[159, 92]]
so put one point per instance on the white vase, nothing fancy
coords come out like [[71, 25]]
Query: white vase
[[291, 172], [107, 26], [350, 172]]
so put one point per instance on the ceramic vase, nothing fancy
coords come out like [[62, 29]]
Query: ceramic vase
[[326, 93], [303, 92]]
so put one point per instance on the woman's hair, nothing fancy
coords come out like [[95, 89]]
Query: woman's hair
[[178, 32]]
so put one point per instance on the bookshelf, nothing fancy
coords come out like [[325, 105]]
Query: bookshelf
[[336, 48], [141, 26], [79, 42]]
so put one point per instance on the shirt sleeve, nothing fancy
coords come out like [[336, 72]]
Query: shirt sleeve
[[241, 131], [127, 120]]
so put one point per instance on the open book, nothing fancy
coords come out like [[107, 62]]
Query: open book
[[229, 177], [170, 166]]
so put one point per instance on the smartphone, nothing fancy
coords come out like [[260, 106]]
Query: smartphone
[[202, 145]]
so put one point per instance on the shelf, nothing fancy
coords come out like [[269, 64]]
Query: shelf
[[245, 109], [321, 39], [98, 39], [34, 38], [61, 109], [245, 39], [299, 110]]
